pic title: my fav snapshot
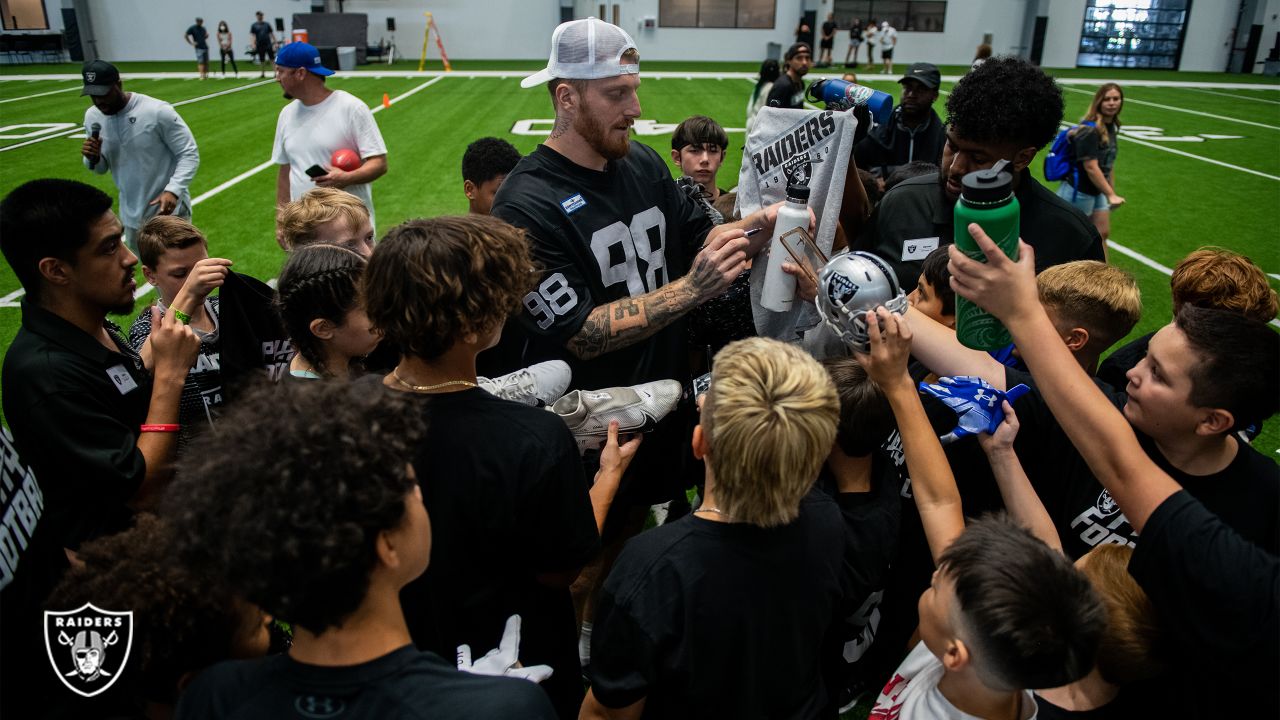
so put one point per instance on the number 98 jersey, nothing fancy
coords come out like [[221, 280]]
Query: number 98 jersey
[[599, 237]]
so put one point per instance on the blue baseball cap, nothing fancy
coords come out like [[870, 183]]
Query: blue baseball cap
[[302, 55]]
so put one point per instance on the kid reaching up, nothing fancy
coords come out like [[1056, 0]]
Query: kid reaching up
[[1004, 612]]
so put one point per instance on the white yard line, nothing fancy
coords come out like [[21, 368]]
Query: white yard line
[[51, 92], [1175, 108], [1237, 97], [80, 128], [260, 83], [1200, 158]]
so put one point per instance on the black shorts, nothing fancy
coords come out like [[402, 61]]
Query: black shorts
[[826, 44], [263, 52], [887, 54]]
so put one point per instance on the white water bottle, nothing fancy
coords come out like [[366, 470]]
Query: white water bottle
[[780, 288]]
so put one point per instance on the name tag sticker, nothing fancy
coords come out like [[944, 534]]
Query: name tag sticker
[[573, 204], [123, 380], [919, 248]]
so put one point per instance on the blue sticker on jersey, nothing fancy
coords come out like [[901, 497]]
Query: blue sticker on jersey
[[573, 204]]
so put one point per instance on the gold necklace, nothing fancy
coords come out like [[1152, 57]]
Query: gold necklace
[[716, 510], [395, 372]]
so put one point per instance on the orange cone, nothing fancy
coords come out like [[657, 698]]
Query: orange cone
[[386, 100]]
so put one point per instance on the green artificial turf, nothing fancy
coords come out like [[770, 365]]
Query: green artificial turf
[[1175, 203]]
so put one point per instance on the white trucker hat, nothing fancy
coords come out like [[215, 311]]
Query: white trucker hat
[[585, 50]]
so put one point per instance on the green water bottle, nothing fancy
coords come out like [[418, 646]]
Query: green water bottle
[[986, 198]]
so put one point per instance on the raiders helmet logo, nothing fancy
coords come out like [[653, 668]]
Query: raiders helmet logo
[[90, 76], [841, 289], [88, 647]]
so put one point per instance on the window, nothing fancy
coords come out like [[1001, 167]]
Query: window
[[24, 15], [1133, 33], [903, 15], [717, 13]]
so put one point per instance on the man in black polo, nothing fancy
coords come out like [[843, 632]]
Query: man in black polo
[[788, 89], [984, 127], [98, 428], [914, 132]]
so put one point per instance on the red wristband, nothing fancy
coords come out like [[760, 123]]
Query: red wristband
[[161, 427]]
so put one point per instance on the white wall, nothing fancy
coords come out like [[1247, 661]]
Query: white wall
[[153, 29], [1208, 39], [667, 43], [494, 29], [521, 29], [1062, 33]]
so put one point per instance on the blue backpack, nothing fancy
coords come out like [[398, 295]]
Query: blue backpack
[[1060, 163]]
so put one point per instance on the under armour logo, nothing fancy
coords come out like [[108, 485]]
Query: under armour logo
[[313, 706]]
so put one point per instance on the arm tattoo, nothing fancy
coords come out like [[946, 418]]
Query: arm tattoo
[[627, 321]]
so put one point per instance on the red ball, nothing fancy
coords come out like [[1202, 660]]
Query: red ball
[[345, 159]]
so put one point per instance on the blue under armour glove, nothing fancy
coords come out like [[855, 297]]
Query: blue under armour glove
[[975, 402]]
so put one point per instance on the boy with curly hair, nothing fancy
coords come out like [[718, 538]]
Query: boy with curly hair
[[1006, 109], [322, 531], [515, 521]]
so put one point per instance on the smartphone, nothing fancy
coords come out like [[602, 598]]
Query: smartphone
[[701, 385], [316, 171]]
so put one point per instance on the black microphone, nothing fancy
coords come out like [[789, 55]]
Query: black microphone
[[94, 130]]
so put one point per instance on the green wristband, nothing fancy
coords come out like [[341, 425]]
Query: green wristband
[[183, 318]]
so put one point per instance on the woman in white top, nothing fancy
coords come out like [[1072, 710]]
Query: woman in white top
[[769, 72], [225, 47]]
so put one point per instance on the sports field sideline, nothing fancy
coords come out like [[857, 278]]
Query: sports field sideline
[[1199, 161]]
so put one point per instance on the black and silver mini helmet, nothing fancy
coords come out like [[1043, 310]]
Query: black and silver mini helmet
[[849, 286]]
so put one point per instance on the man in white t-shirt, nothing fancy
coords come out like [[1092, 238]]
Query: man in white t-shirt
[[317, 123], [143, 143], [888, 39]]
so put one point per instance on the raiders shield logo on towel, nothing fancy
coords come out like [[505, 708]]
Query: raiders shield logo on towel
[[88, 647]]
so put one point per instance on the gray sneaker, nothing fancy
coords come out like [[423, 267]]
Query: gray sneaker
[[637, 409], [538, 385]]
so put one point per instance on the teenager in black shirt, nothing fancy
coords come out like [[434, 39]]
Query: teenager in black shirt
[[335, 529], [724, 613], [1216, 590], [514, 520], [982, 128]]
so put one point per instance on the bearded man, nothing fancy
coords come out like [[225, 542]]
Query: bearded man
[[623, 253]]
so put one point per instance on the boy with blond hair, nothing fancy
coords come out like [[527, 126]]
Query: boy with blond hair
[[326, 216], [697, 611], [1092, 304]]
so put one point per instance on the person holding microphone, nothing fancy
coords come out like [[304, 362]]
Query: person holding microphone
[[144, 144]]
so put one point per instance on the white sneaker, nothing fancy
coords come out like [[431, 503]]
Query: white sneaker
[[538, 385], [637, 409]]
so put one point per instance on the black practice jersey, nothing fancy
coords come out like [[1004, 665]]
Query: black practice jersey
[[598, 237]]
